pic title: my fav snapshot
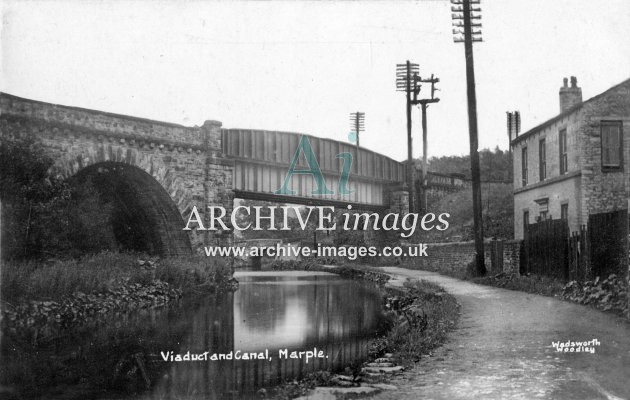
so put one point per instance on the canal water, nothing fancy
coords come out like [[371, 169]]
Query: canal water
[[274, 315]]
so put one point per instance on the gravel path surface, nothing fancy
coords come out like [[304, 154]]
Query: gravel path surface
[[502, 349]]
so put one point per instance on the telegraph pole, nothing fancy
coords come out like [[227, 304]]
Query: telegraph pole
[[463, 11], [424, 104], [406, 80], [357, 123]]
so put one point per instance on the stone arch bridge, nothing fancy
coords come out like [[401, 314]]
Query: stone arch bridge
[[161, 170]]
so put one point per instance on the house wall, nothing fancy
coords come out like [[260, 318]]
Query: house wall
[[586, 187], [561, 192], [604, 191], [572, 123], [559, 189]]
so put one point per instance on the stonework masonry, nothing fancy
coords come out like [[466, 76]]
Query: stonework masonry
[[453, 258], [604, 191], [185, 161], [188, 163], [585, 188]]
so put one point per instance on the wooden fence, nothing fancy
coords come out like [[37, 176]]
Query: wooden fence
[[546, 249], [579, 257], [608, 239], [599, 250]]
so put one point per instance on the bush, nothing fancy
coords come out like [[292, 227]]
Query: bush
[[194, 272], [610, 294], [46, 216], [31, 200], [427, 313]]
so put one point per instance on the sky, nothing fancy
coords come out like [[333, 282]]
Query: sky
[[304, 66]]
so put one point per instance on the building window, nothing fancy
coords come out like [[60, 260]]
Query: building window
[[564, 211], [524, 166], [612, 146], [542, 159], [525, 220], [562, 144]]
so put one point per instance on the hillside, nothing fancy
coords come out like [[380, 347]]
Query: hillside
[[498, 213], [495, 165]]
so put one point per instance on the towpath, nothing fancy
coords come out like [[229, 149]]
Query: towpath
[[502, 349]]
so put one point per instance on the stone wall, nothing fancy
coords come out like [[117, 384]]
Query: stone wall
[[218, 182], [453, 258], [512, 256], [186, 161], [604, 191], [123, 126]]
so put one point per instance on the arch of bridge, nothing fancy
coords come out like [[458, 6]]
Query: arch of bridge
[[70, 163], [144, 217]]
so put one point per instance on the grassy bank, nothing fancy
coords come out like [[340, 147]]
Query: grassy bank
[[425, 313], [43, 301], [36, 280], [76, 314], [536, 284]]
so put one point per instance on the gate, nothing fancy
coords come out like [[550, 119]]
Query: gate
[[546, 249]]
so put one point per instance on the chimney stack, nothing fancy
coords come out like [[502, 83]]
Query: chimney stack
[[513, 124], [569, 96]]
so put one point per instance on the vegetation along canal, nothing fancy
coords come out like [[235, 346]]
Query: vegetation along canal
[[277, 326]]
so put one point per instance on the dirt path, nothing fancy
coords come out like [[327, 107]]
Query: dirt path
[[503, 349]]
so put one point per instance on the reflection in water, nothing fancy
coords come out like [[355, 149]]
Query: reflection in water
[[270, 313], [119, 359]]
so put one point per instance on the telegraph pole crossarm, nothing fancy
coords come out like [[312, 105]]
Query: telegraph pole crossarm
[[357, 124]]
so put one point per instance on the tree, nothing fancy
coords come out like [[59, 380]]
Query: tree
[[495, 165], [43, 216]]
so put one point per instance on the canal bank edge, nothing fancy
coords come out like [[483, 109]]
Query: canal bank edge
[[420, 315], [146, 283]]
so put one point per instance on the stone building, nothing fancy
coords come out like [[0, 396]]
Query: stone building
[[574, 164]]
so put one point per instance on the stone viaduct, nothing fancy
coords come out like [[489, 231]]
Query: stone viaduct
[[163, 170]]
